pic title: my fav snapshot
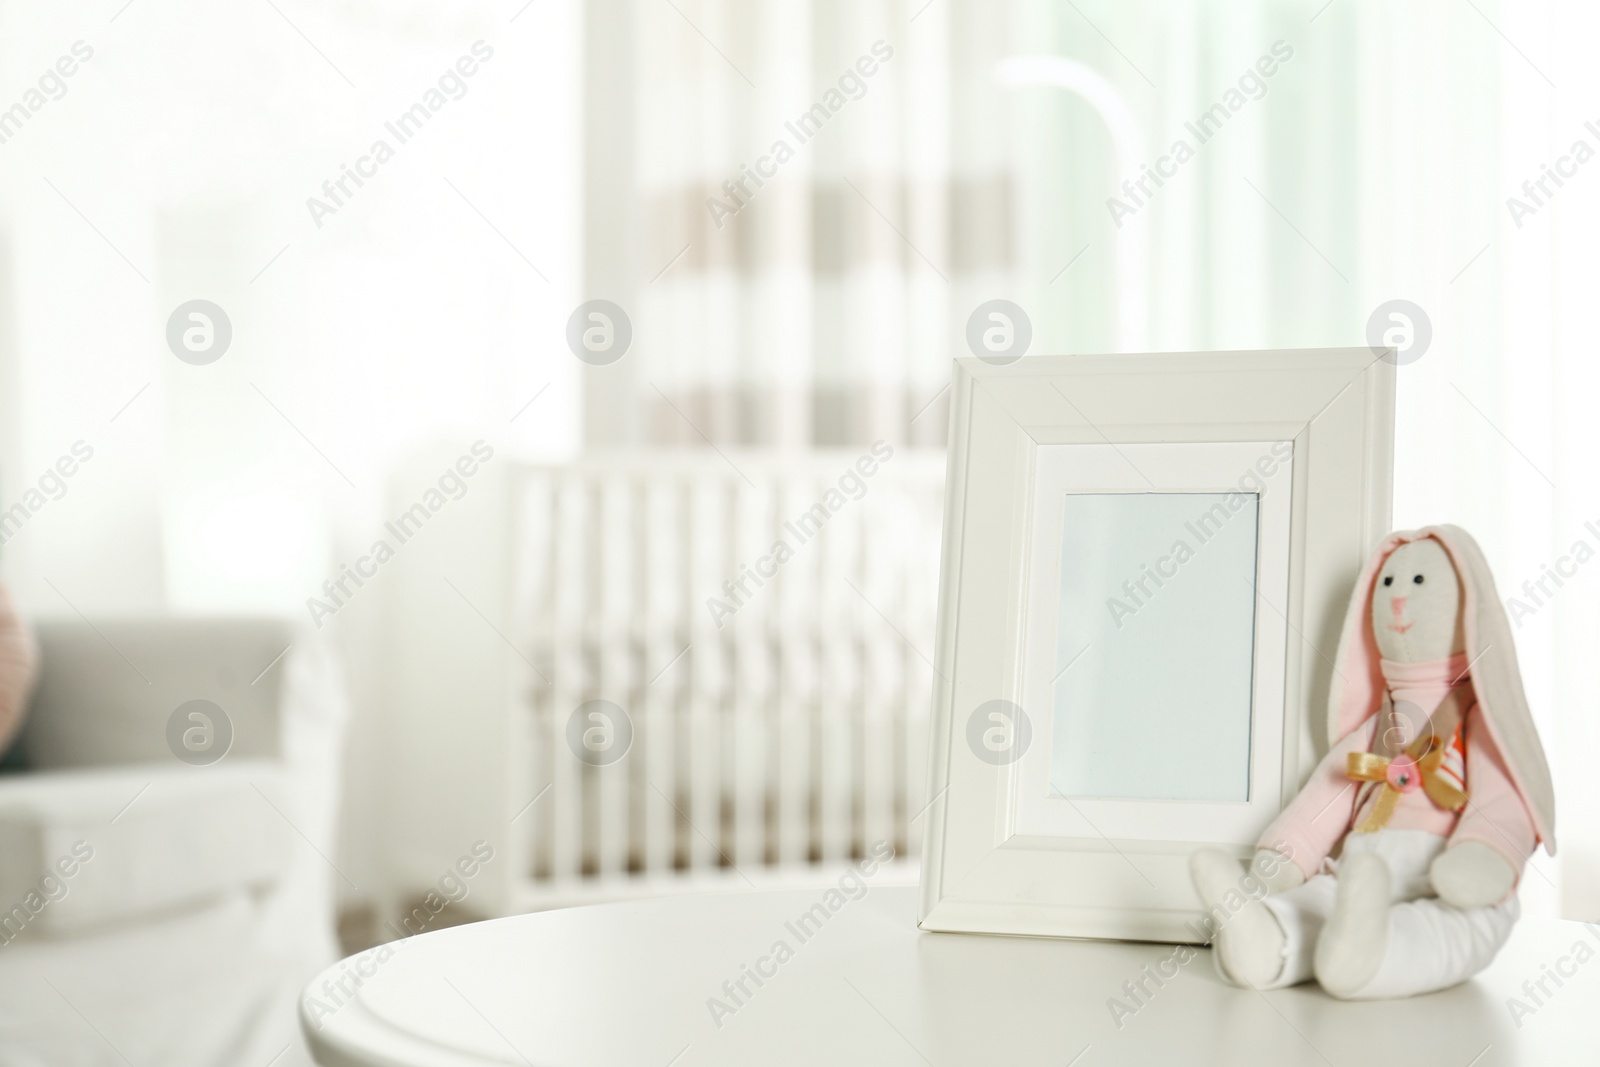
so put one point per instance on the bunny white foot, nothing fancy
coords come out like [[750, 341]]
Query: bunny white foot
[[1471, 875], [1247, 937], [1355, 938]]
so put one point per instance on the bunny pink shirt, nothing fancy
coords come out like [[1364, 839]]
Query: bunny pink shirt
[[1310, 827]]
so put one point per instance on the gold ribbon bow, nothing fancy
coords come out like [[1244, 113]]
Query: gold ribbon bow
[[1424, 755]]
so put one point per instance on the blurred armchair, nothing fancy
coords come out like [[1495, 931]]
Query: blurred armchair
[[164, 882]]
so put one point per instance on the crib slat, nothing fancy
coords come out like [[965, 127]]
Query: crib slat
[[663, 636], [748, 710], [531, 821], [796, 679], [566, 799], [839, 719], [800, 618], [878, 579], [704, 786], [610, 612]]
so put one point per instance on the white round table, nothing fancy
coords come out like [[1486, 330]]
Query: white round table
[[641, 983]]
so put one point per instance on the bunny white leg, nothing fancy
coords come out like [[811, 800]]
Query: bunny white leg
[[1300, 914], [1432, 946], [1248, 942]]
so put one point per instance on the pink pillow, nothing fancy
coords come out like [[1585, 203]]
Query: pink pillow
[[19, 668]]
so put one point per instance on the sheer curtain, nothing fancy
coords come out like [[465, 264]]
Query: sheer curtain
[[799, 226]]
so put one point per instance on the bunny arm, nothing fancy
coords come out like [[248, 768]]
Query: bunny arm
[[1495, 814], [1307, 830]]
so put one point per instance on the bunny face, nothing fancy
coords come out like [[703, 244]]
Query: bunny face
[[1416, 604]]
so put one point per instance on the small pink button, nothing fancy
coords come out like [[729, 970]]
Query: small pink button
[[1403, 775]]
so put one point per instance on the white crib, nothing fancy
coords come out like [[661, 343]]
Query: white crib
[[774, 734]]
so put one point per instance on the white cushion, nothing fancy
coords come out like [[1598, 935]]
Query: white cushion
[[107, 690], [84, 849]]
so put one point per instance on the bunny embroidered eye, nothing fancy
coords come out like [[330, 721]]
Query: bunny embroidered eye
[[1389, 580], [1417, 579]]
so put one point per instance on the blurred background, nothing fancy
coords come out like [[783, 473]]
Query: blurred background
[[395, 216]]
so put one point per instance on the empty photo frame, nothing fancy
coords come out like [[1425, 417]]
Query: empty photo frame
[[1142, 555]]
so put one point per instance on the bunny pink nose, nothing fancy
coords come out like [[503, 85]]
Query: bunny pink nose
[[1398, 605]]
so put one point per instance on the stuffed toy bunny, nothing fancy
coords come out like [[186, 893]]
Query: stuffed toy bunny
[[1436, 787]]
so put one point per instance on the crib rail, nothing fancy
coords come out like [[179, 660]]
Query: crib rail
[[758, 629]]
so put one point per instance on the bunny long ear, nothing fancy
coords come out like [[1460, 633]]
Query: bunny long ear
[[1358, 684], [1497, 680]]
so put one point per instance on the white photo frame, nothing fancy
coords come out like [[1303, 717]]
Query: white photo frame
[[1194, 522]]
